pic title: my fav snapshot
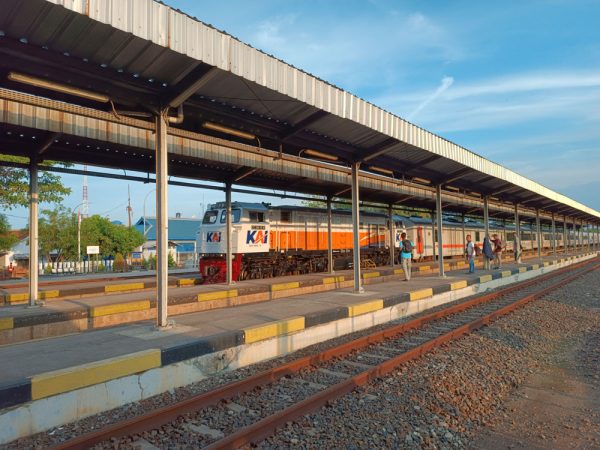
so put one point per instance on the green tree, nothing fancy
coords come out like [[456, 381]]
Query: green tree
[[171, 261], [15, 185], [111, 238], [119, 264], [58, 234], [7, 240], [57, 231]]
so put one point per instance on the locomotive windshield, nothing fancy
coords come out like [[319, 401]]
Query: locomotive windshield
[[210, 217], [234, 212]]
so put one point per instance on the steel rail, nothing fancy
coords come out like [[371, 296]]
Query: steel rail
[[265, 427], [161, 416]]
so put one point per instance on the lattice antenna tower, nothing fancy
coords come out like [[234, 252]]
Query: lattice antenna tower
[[85, 205]]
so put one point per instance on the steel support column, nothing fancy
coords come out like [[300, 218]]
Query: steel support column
[[433, 250], [464, 231], [392, 235], [486, 226], [229, 225], [356, 228], [517, 233], [329, 237], [553, 236], [33, 232], [162, 219], [565, 236], [575, 240], [539, 232], [438, 208]]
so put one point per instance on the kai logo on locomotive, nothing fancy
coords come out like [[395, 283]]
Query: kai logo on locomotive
[[257, 237], [213, 236]]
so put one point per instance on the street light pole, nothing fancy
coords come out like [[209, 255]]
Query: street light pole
[[78, 208], [79, 235]]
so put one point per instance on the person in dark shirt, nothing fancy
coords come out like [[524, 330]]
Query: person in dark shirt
[[497, 251]]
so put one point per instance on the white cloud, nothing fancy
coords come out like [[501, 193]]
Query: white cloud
[[347, 51], [444, 85], [502, 102], [527, 83]]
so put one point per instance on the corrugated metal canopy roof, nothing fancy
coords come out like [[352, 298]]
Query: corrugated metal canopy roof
[[143, 53]]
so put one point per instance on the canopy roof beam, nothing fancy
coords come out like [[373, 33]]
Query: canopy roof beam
[[303, 124], [190, 85], [378, 150]]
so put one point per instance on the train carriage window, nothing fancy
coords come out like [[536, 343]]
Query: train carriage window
[[256, 216], [510, 236], [210, 217], [235, 214], [286, 216], [477, 236]]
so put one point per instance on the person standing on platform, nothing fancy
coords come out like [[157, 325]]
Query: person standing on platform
[[488, 253], [517, 248], [470, 253], [407, 248], [11, 270], [497, 251]]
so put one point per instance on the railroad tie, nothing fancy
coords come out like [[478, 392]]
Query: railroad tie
[[357, 364], [309, 384], [333, 373], [389, 349], [374, 356]]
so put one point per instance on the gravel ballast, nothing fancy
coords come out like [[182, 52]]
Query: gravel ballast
[[457, 392]]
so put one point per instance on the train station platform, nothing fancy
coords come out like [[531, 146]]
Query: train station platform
[[75, 306], [15, 291], [54, 381]]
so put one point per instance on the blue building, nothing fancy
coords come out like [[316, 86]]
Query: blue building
[[182, 237]]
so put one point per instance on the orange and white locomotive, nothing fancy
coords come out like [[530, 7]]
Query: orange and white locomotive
[[270, 241]]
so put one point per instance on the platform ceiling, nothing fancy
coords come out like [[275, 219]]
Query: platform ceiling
[[145, 55]]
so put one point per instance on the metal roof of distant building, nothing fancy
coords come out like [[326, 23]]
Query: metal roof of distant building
[[180, 229]]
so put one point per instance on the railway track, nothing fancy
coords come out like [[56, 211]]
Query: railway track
[[272, 398]]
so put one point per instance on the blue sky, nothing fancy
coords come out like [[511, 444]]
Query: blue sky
[[517, 82]]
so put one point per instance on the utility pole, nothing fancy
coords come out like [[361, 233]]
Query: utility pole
[[129, 210], [85, 205]]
